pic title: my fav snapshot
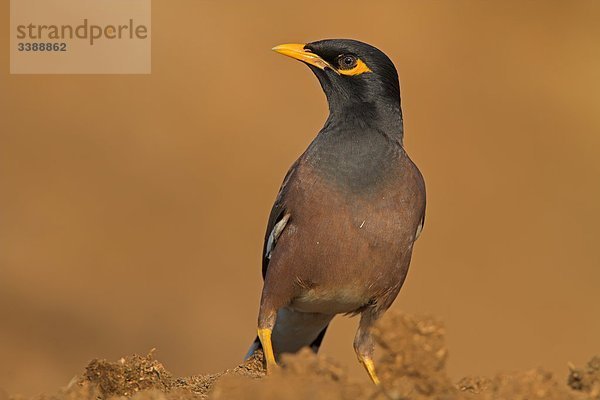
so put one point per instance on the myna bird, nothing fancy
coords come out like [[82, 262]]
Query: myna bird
[[340, 235]]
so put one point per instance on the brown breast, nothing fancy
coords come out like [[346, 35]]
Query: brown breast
[[344, 249]]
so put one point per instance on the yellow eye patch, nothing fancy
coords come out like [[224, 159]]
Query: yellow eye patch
[[359, 68]]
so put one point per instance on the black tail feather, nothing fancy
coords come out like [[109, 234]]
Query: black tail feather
[[314, 346]]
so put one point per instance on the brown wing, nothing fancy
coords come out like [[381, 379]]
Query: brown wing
[[277, 219]]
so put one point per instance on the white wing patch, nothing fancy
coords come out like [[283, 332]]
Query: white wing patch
[[419, 229], [275, 233]]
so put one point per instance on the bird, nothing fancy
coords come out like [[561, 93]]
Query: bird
[[340, 234]]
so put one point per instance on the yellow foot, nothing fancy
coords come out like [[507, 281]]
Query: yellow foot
[[370, 367], [265, 339]]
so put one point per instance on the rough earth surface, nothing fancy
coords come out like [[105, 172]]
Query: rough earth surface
[[411, 366]]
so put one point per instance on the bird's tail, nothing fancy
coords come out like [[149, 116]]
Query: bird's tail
[[253, 347], [314, 346], [295, 330]]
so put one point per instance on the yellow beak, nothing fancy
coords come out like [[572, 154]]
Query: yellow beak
[[297, 51]]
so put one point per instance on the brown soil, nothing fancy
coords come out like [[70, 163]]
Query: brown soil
[[411, 366]]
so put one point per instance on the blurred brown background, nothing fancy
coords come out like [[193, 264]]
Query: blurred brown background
[[133, 207]]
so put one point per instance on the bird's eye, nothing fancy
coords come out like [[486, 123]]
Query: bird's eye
[[347, 61]]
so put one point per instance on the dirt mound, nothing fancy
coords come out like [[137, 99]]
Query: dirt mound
[[414, 357], [411, 366], [586, 379], [128, 376]]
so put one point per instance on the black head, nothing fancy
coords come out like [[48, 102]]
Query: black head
[[352, 74]]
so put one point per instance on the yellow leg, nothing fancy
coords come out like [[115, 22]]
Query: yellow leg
[[265, 339], [370, 367]]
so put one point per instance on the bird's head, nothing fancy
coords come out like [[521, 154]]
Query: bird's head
[[352, 73]]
